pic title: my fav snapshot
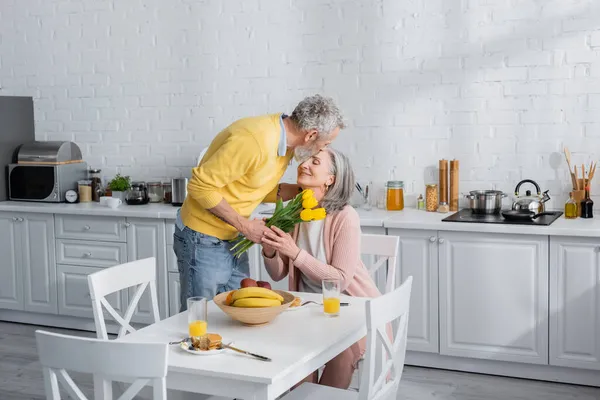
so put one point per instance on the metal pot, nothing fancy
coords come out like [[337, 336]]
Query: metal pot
[[485, 201], [529, 202]]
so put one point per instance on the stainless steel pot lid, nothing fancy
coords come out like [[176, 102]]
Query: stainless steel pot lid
[[480, 193]]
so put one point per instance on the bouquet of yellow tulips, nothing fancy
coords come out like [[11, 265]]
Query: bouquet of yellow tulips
[[301, 208]]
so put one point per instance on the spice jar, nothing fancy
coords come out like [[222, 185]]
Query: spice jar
[[85, 191], [155, 192], [395, 196], [167, 192], [431, 197], [444, 207]]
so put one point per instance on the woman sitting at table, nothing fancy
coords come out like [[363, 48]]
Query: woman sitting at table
[[325, 249]]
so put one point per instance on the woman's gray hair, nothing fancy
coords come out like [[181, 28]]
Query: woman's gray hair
[[319, 113], [339, 193]]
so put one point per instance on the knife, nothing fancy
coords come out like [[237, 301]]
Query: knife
[[263, 358]]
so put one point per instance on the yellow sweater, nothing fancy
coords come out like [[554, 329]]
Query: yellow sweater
[[241, 166]]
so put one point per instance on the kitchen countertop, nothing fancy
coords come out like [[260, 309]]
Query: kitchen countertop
[[409, 218]]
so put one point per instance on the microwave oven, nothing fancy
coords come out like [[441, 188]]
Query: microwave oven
[[44, 183]]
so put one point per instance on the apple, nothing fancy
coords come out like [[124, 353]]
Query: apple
[[248, 282], [264, 284]]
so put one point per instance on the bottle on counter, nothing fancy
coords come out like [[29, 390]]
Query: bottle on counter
[[587, 205], [420, 203], [571, 208]]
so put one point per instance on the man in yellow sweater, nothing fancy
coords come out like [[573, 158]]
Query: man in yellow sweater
[[242, 168]]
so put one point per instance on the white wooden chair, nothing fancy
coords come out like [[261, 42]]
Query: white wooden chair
[[140, 274], [384, 250], [141, 363], [390, 308]]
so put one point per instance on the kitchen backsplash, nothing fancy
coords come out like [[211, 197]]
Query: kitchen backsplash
[[143, 86]]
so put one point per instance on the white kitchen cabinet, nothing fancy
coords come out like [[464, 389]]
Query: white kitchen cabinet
[[11, 273], [74, 294], [38, 263], [575, 302], [494, 296], [418, 257], [174, 293], [28, 273], [146, 238]]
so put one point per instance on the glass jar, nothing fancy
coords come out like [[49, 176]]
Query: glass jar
[[167, 192], [155, 192], [96, 182], [444, 207], [85, 191], [395, 196], [431, 197]]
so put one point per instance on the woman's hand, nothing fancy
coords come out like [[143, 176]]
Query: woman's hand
[[282, 242]]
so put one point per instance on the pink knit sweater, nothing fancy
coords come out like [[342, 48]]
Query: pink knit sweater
[[342, 251]]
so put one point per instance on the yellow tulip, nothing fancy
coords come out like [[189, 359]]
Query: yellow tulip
[[319, 213], [307, 194], [311, 202], [306, 215]]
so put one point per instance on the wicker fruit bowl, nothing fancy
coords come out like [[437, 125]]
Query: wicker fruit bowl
[[254, 316]]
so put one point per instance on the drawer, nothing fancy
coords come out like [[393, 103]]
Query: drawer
[[91, 254], [91, 228], [171, 260], [74, 294], [170, 225]]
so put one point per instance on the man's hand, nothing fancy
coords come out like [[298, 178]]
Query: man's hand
[[254, 230]]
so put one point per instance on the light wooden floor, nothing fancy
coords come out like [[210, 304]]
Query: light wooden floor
[[21, 377]]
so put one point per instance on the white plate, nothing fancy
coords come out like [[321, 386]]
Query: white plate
[[185, 347]]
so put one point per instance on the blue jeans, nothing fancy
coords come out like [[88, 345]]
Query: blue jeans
[[206, 265]]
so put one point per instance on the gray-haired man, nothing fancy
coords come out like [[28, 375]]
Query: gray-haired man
[[242, 168]]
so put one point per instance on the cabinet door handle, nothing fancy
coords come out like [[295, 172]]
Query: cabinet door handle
[[432, 239], [86, 228], [21, 219], [441, 241], [15, 219], [87, 254], [127, 224]]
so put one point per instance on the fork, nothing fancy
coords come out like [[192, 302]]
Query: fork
[[320, 304]]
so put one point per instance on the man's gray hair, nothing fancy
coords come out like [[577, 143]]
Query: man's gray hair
[[319, 113], [339, 194]]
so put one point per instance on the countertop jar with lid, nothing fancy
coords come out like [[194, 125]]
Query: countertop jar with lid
[[96, 183], [167, 192], [431, 197], [155, 192], [395, 195]]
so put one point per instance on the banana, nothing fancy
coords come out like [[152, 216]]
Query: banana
[[256, 303], [256, 292]]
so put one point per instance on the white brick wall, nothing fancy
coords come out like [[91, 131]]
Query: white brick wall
[[143, 86]]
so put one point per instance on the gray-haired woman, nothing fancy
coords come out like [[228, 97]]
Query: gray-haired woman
[[326, 249]]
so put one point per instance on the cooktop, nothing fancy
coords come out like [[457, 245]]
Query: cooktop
[[466, 215]]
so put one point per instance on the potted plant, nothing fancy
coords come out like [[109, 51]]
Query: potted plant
[[119, 185]]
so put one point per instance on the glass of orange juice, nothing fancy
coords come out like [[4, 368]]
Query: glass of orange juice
[[331, 297], [197, 308]]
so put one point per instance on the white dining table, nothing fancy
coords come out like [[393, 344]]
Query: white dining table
[[297, 341]]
